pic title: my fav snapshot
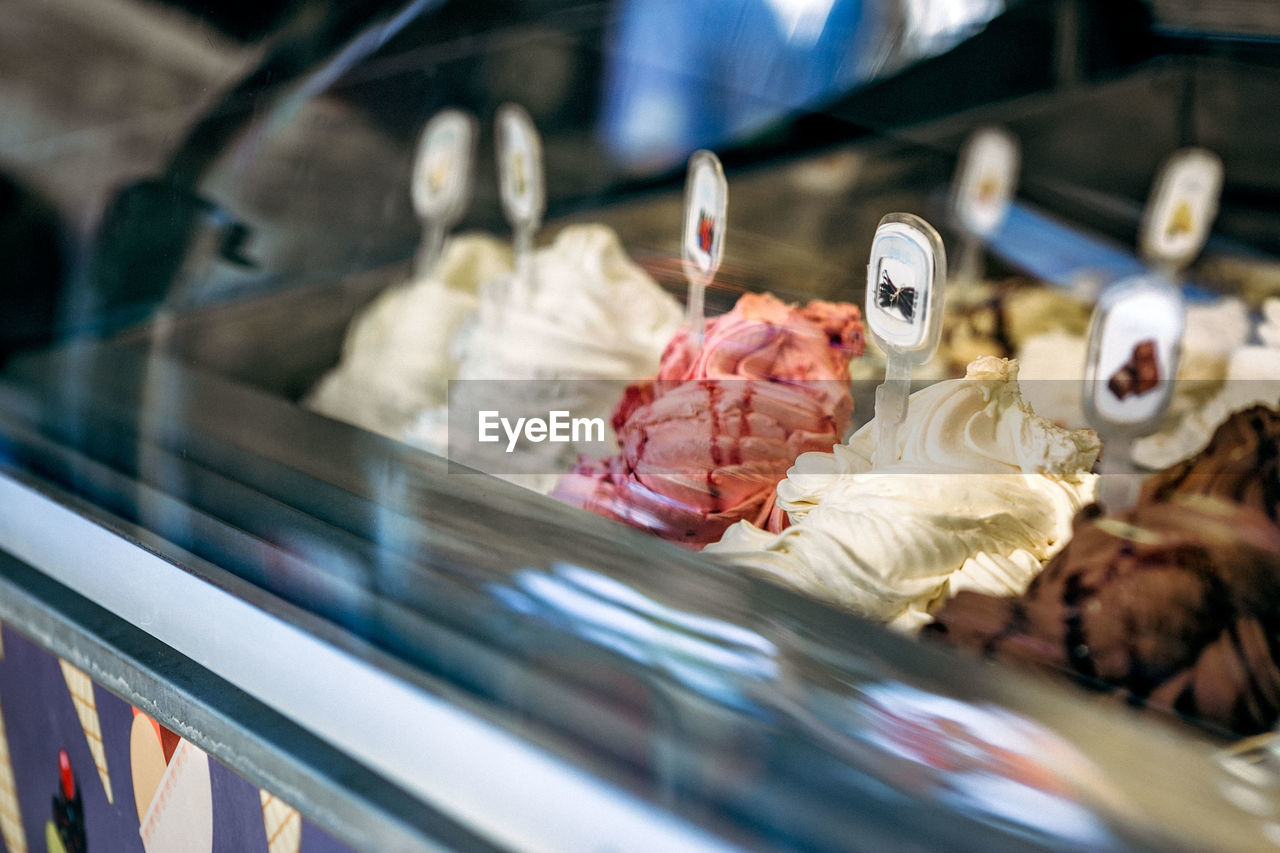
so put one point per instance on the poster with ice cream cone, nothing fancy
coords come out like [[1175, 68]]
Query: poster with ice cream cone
[[148, 761], [11, 829], [81, 689], [180, 816], [282, 823], [53, 798]]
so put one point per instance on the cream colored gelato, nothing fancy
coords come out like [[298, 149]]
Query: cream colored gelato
[[589, 312], [399, 353], [1269, 328], [1051, 374], [980, 494], [585, 311], [1213, 332]]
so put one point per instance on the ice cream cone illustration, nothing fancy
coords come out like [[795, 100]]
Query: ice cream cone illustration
[[147, 761], [15, 837], [179, 818], [283, 824], [81, 687]]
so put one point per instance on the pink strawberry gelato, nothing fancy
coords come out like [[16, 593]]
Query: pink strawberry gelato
[[705, 444]]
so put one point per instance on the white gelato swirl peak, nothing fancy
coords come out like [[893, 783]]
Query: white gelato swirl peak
[[981, 493], [587, 312]]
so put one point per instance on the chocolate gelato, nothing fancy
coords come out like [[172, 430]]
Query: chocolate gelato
[[1176, 604], [1241, 463]]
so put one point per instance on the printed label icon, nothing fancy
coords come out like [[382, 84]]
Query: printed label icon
[[1182, 207], [986, 179], [706, 231], [441, 179], [904, 284], [12, 832], [1133, 352], [706, 200], [893, 298], [1139, 375], [520, 166], [1181, 222]]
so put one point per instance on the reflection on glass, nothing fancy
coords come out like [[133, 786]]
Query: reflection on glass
[[686, 75], [698, 651], [990, 761], [933, 26]]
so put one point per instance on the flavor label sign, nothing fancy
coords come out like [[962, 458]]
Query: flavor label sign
[[443, 166], [706, 201], [520, 166], [904, 285], [1133, 353], [1182, 207], [986, 179]]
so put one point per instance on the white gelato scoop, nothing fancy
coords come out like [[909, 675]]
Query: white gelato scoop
[[586, 312], [398, 355], [980, 494]]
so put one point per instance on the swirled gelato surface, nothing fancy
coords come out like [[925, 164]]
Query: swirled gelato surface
[[585, 311], [583, 317], [1241, 463], [581, 311], [1176, 604], [704, 444], [980, 493], [398, 355]]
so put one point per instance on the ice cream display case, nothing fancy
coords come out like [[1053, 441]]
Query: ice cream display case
[[264, 585]]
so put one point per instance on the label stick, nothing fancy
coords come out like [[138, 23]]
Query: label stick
[[706, 199], [520, 176], [982, 192], [1135, 341], [441, 184], [1181, 209], [905, 279]]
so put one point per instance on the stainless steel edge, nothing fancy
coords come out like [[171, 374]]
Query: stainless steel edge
[[442, 754], [334, 791]]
